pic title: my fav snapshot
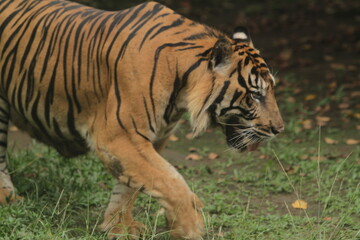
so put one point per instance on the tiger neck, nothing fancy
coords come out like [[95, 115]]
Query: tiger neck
[[194, 83]]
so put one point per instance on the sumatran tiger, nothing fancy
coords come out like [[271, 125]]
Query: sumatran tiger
[[116, 83]]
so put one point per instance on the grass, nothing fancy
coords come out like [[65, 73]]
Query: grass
[[246, 196]]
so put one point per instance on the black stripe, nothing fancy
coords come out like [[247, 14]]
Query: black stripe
[[35, 117], [196, 36], [188, 48], [176, 23], [137, 131], [148, 115], [148, 15], [220, 97], [172, 101], [235, 97], [156, 58], [148, 33], [114, 39]]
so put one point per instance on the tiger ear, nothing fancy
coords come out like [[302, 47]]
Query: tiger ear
[[220, 54], [241, 34]]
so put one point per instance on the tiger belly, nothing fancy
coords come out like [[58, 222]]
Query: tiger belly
[[67, 146]]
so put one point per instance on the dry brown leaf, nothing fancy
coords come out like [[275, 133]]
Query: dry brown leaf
[[327, 219], [297, 90], [310, 97], [355, 94], [343, 105], [330, 141], [13, 129], [337, 66], [322, 120], [357, 115], [328, 58], [285, 55], [173, 138], [290, 100], [189, 136], [299, 204], [182, 121], [307, 124], [193, 149], [351, 141], [193, 157], [316, 158], [213, 156], [351, 68]]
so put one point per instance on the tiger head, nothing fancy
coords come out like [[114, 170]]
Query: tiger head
[[241, 98]]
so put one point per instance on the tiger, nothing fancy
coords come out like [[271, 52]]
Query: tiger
[[117, 83]]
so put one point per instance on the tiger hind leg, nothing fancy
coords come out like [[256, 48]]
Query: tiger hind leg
[[118, 219], [7, 190]]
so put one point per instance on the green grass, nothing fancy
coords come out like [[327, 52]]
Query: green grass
[[246, 196]]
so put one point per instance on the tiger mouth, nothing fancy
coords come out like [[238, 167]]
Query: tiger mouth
[[244, 138]]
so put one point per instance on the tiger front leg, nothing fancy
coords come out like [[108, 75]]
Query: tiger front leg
[[142, 168], [118, 219]]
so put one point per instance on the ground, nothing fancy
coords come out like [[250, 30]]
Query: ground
[[313, 48]]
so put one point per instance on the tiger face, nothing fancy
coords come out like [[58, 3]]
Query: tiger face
[[245, 106]]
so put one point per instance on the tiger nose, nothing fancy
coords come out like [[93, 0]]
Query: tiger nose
[[277, 130]]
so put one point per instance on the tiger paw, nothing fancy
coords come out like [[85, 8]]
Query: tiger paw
[[8, 196], [131, 231]]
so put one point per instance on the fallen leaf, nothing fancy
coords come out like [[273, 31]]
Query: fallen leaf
[[337, 66], [328, 58], [343, 105], [304, 157], [285, 55], [355, 94], [262, 156], [310, 97], [307, 124], [213, 156], [13, 129], [173, 138], [182, 121], [351, 141], [292, 169], [189, 136], [209, 130], [316, 158], [290, 100], [330, 141], [322, 120], [327, 219], [193, 149], [351, 68], [299, 204], [193, 157]]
